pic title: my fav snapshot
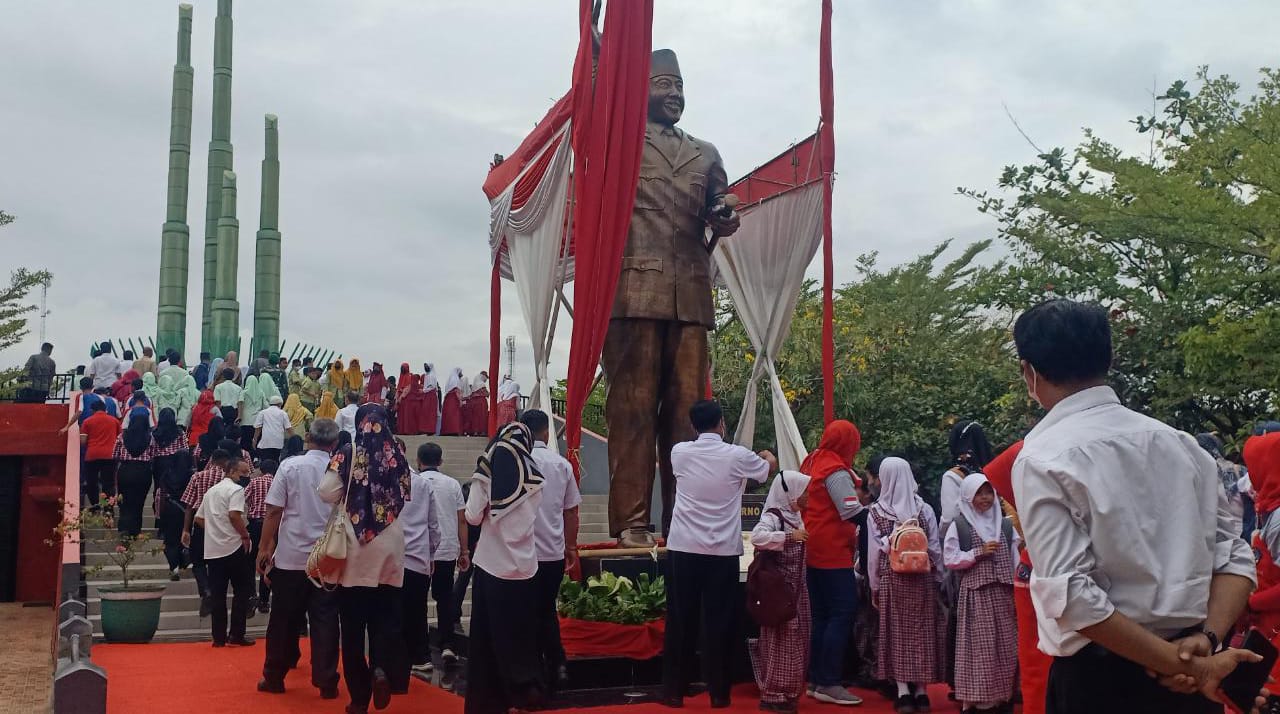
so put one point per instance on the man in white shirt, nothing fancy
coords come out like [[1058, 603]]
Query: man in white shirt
[[347, 415], [452, 555], [703, 548], [556, 540], [1137, 563], [229, 397], [421, 541], [270, 430], [226, 552], [105, 368], [295, 520]]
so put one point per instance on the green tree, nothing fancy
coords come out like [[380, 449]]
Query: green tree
[[14, 308], [1180, 244], [916, 350]]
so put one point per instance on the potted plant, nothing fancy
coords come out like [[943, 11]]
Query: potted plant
[[612, 616], [130, 611]]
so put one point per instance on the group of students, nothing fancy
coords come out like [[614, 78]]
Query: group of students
[[1096, 566]]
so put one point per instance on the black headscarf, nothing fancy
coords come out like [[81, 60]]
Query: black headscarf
[[294, 446], [969, 446], [167, 430], [209, 440], [137, 437], [508, 468]]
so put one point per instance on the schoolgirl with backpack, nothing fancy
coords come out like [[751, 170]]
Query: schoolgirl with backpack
[[778, 596], [905, 571], [981, 547]]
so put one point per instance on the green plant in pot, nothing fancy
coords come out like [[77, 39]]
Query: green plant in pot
[[130, 610], [610, 598]]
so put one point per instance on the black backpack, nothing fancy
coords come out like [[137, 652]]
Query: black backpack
[[771, 600]]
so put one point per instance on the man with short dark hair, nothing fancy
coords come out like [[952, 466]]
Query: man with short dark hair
[[556, 539], [347, 415], [295, 520], [1138, 564], [452, 554], [421, 541], [192, 534], [98, 434], [201, 372], [226, 550], [105, 368], [703, 549], [40, 370]]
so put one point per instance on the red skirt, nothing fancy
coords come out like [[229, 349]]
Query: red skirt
[[506, 412], [429, 417], [477, 414], [407, 416], [451, 416]]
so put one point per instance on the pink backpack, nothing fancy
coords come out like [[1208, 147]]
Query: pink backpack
[[909, 549]]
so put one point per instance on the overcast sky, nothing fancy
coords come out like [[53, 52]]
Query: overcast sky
[[390, 112]]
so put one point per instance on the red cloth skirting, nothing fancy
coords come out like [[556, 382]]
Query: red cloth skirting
[[407, 418], [1033, 665], [451, 417], [476, 414], [606, 639], [429, 416], [506, 412]]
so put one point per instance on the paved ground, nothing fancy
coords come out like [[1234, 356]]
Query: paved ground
[[26, 671]]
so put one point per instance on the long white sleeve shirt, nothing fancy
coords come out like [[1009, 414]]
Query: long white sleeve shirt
[[1120, 513]]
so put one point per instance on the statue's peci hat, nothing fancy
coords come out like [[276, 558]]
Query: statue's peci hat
[[663, 62]]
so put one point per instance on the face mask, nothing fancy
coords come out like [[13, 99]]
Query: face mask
[[1031, 389]]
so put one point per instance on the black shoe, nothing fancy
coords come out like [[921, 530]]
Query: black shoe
[[399, 691], [562, 676], [719, 703], [353, 709], [329, 692], [779, 707], [922, 703], [219, 644], [267, 686], [905, 704], [673, 702], [381, 689], [265, 608], [242, 642], [206, 607]]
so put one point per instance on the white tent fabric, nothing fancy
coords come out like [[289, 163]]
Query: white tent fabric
[[763, 267], [534, 236]]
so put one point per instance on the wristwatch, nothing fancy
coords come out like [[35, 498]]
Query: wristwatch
[[1215, 645]]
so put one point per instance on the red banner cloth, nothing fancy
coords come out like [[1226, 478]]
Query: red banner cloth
[[582, 638], [827, 158], [608, 137]]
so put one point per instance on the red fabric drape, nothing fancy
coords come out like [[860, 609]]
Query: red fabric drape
[[495, 340], [827, 157], [608, 136], [582, 638]]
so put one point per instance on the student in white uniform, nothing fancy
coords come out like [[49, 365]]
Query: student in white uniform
[[452, 555], [503, 671], [1138, 564], [703, 549], [226, 550], [556, 536], [421, 540]]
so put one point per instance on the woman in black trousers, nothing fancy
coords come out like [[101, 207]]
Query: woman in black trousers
[[135, 450], [172, 468]]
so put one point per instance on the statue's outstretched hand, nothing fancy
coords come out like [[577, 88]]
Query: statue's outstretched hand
[[723, 225]]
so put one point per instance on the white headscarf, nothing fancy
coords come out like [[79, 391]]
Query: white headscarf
[[455, 382], [429, 381], [986, 525], [784, 499], [899, 499], [508, 389], [480, 382]]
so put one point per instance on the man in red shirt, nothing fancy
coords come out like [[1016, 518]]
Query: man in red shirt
[[98, 435]]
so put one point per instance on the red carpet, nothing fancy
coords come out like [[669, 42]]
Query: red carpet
[[194, 677]]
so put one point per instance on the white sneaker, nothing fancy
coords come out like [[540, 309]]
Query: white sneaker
[[448, 656], [427, 668], [836, 695]]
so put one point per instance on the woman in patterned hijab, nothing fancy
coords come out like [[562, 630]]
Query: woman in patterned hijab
[[375, 472]]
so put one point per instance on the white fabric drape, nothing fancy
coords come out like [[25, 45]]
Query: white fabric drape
[[535, 240], [763, 267]]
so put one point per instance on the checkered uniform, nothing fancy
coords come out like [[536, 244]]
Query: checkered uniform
[[987, 629], [199, 485], [913, 628], [780, 657], [255, 496]]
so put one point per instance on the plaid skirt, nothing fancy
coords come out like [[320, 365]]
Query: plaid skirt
[[780, 657], [986, 645], [913, 628]]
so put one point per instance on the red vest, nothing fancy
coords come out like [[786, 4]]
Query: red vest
[[832, 540]]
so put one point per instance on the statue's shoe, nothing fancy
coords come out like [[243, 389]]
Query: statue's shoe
[[636, 538]]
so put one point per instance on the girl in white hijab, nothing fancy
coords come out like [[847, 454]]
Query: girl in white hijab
[[911, 649], [780, 678], [986, 624]]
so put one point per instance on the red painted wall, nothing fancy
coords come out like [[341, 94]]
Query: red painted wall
[[30, 431]]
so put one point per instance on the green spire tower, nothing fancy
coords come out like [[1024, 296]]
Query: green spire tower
[[220, 162], [171, 317], [266, 275], [225, 323]]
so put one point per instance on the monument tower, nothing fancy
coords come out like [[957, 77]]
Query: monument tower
[[266, 274], [171, 317], [220, 162]]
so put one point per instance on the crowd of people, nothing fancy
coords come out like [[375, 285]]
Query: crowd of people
[[1100, 564]]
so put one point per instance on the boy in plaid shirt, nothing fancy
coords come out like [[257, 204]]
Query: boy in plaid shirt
[[193, 535], [255, 500]]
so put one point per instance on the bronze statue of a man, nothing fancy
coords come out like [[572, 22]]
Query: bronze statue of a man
[[655, 355]]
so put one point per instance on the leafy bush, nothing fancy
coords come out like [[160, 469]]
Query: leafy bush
[[610, 598]]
